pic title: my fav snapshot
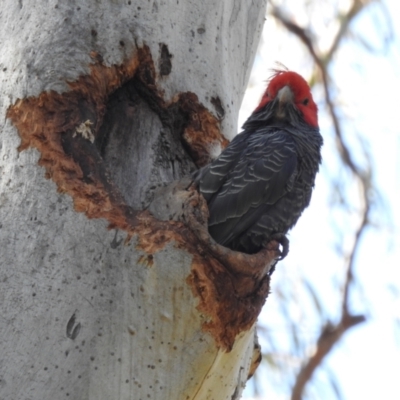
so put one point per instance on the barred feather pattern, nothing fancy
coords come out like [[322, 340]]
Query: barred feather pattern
[[261, 183]]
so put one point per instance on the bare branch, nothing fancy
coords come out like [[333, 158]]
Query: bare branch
[[332, 333], [329, 336]]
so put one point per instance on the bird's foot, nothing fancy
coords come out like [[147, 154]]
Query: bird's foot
[[284, 242]]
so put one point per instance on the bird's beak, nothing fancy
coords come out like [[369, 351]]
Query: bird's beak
[[284, 97]]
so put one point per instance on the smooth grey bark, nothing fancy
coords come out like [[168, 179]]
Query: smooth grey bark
[[84, 316]]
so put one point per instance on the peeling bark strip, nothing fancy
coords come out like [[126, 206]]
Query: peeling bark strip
[[232, 287]]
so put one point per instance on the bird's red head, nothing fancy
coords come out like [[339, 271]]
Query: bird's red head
[[302, 97]]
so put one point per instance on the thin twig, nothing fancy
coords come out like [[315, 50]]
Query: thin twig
[[346, 19], [350, 264]]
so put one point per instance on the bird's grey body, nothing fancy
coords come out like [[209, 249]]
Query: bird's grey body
[[260, 184]]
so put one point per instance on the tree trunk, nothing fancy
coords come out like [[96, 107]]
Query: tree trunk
[[110, 287]]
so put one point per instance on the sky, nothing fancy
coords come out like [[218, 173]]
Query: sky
[[366, 71]]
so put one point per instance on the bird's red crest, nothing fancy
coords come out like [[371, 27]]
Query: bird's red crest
[[302, 94]]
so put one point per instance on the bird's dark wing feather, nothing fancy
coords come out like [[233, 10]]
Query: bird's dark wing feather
[[212, 177], [262, 173]]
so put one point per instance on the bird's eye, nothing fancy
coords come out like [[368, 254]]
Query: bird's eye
[[305, 101]]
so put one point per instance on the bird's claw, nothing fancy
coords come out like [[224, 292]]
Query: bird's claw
[[284, 242]]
